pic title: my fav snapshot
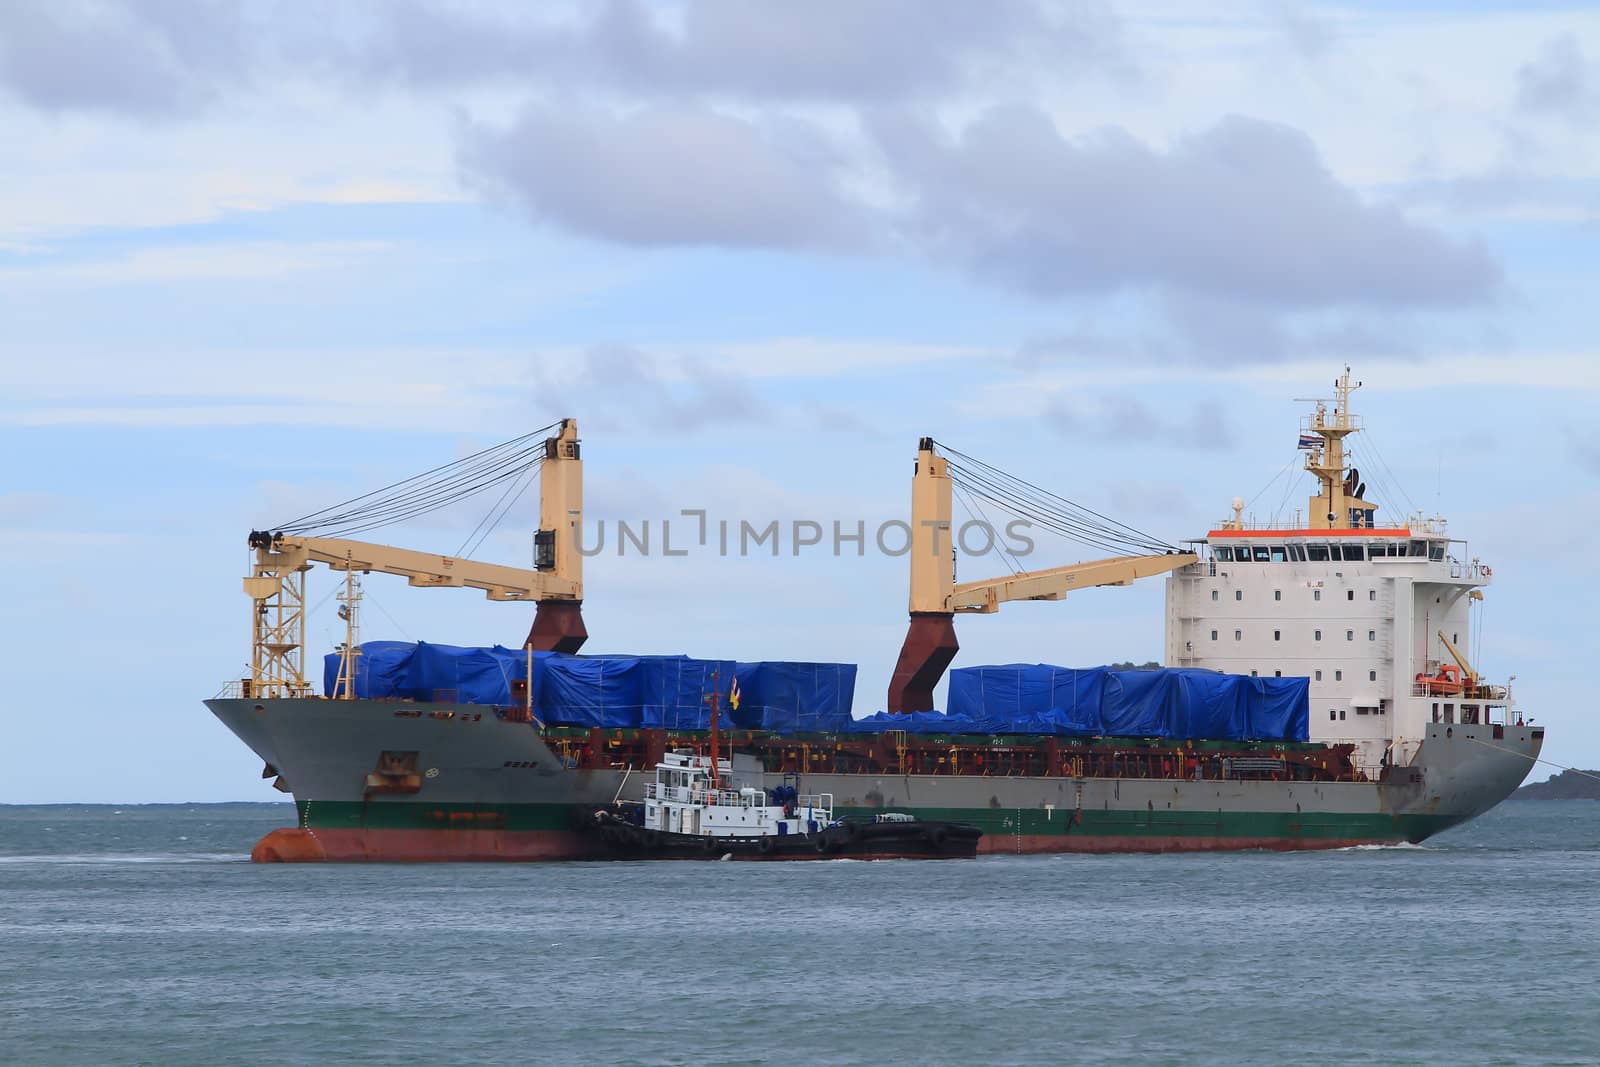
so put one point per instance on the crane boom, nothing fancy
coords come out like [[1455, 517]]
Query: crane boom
[[423, 569], [1470, 676], [1054, 583]]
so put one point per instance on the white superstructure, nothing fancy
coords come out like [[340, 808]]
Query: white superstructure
[[687, 798], [1368, 613]]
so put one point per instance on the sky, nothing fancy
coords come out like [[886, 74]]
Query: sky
[[259, 258]]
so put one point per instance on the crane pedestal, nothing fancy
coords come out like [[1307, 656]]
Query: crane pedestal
[[929, 647], [557, 627]]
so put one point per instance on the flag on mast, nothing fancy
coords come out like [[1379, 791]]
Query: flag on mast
[[1309, 440]]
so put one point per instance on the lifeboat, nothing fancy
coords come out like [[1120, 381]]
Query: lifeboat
[[1448, 681]]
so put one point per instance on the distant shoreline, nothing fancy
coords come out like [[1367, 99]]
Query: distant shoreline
[[1568, 785]]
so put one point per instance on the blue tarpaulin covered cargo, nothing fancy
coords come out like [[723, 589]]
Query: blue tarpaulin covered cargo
[[670, 692], [795, 697], [380, 670], [1016, 691], [1181, 704], [1280, 709], [629, 691]]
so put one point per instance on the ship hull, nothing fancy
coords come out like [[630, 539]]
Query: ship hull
[[491, 790]]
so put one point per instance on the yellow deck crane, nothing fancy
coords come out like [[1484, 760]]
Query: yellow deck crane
[[276, 584], [936, 597]]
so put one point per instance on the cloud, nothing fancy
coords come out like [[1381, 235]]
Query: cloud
[[175, 58], [642, 388], [1123, 417], [1560, 81], [1245, 209], [825, 50], [671, 175], [1312, 37], [145, 59]]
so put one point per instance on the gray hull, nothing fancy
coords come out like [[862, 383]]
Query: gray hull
[[484, 788]]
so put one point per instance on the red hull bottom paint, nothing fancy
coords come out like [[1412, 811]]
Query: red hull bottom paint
[[1034, 844], [420, 846], [520, 846]]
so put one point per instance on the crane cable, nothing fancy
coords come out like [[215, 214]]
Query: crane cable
[[508, 461], [1051, 510]]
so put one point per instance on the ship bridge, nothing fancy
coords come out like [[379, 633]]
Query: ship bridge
[[1376, 615]]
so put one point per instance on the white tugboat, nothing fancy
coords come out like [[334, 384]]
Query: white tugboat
[[689, 812]]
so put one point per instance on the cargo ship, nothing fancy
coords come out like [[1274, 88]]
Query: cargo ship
[[1317, 692]]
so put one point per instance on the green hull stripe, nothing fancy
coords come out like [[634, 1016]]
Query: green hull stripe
[[996, 822]]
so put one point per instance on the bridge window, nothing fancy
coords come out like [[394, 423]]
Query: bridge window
[[1223, 554], [1317, 553], [1380, 551], [1279, 555], [1297, 553], [1354, 553], [1436, 552], [1261, 554]]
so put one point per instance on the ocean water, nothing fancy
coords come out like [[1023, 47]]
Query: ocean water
[[142, 935]]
